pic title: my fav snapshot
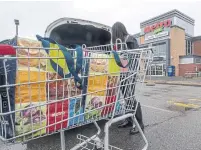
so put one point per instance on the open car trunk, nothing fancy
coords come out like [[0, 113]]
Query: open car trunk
[[79, 32]]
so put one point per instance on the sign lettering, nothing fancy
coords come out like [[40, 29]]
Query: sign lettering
[[161, 34], [166, 23]]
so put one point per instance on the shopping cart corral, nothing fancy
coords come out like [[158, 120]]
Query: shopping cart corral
[[46, 88]]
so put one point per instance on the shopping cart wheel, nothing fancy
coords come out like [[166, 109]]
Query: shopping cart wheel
[[98, 148], [99, 143]]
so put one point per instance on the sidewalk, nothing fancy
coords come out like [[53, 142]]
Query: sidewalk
[[174, 81]]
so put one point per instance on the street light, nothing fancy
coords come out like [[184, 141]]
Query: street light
[[16, 32]]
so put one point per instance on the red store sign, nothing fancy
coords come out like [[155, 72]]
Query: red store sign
[[166, 23]]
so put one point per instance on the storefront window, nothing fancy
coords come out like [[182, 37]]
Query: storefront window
[[156, 70], [188, 47], [197, 60], [160, 50], [153, 70], [159, 61]]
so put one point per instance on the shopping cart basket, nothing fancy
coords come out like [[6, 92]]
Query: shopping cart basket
[[45, 90]]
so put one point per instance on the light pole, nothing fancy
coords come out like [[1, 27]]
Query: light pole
[[16, 31]]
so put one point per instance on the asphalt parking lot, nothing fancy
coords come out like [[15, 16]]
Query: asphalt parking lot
[[166, 129]]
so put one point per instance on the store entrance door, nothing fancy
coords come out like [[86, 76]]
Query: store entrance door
[[157, 70]]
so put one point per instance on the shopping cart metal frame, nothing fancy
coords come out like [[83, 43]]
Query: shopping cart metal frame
[[112, 119]]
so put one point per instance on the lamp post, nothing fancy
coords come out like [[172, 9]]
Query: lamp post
[[16, 31]]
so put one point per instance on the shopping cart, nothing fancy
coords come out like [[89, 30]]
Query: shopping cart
[[40, 95]]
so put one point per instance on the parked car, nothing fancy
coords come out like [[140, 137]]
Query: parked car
[[69, 31]]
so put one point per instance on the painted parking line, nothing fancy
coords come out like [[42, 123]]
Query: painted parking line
[[156, 108], [187, 105], [195, 99], [184, 104]]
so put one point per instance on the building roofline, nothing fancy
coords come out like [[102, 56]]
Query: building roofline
[[177, 27], [188, 35], [196, 38], [137, 35], [167, 15]]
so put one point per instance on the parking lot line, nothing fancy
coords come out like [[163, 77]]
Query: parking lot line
[[185, 104], [194, 99], [156, 108]]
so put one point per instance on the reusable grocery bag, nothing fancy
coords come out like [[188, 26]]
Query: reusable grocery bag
[[25, 93], [69, 88], [7, 95], [103, 82], [30, 94]]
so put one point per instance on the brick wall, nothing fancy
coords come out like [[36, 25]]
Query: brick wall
[[183, 68], [177, 46], [197, 48]]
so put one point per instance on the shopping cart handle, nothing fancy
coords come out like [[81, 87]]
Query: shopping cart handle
[[7, 50], [118, 60]]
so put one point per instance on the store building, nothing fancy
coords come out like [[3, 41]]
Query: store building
[[191, 62], [172, 36]]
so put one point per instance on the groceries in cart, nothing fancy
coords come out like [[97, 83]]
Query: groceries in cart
[[43, 92], [71, 79]]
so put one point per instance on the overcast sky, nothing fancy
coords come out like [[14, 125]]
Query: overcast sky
[[36, 16]]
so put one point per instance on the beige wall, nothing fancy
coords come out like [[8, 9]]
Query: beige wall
[[177, 46], [142, 40]]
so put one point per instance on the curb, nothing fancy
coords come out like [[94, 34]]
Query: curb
[[150, 83], [172, 83], [182, 84]]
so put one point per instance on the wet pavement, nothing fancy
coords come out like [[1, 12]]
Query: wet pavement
[[165, 129]]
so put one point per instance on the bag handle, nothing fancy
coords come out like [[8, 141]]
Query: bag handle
[[68, 58], [118, 61], [78, 50]]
